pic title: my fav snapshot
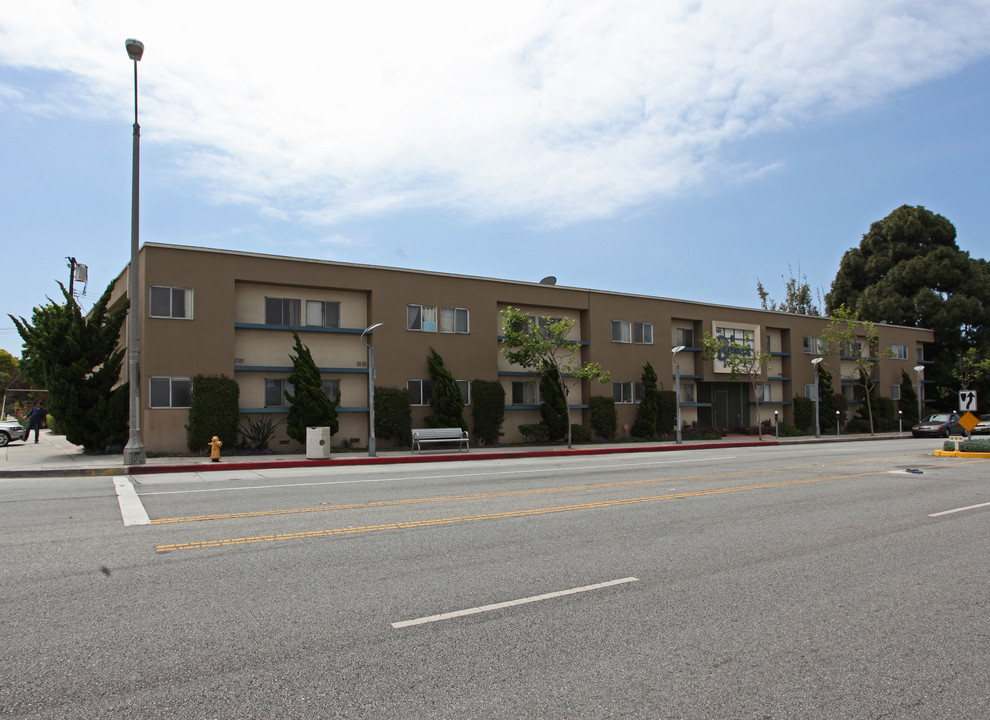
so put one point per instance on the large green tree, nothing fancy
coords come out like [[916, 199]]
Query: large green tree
[[78, 360], [648, 410], [309, 406], [909, 270]]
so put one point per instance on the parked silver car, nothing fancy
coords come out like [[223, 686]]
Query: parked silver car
[[11, 430], [983, 427]]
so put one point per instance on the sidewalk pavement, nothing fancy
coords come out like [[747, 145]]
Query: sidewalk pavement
[[54, 456]]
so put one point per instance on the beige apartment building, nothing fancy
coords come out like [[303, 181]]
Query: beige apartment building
[[217, 312]]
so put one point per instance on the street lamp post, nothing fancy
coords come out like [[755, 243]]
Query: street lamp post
[[919, 369], [371, 389], [134, 452], [818, 424], [677, 386]]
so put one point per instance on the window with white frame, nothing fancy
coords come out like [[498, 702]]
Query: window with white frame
[[525, 392], [621, 331], [465, 387], [809, 391], [170, 392], [849, 392], [421, 318], [283, 311], [899, 352], [643, 333], [688, 392], [622, 392], [455, 320], [275, 392], [323, 313], [684, 336], [763, 392], [895, 392], [919, 354], [812, 345], [331, 388], [171, 302], [851, 350], [420, 392]]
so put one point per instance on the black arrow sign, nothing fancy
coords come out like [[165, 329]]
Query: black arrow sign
[[967, 399]]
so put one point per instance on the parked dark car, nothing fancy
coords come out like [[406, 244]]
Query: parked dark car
[[939, 425], [11, 430]]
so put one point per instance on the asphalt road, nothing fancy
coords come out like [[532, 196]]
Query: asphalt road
[[804, 582]]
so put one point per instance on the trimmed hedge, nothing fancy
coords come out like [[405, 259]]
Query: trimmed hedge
[[980, 446], [214, 410]]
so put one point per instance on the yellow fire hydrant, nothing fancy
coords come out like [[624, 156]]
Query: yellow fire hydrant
[[215, 449]]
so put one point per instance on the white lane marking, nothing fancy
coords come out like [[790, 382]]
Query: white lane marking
[[131, 508], [510, 603], [958, 510], [421, 477]]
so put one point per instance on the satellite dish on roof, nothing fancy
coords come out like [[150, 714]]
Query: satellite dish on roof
[[548, 280]]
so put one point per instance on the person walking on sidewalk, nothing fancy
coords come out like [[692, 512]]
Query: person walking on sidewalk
[[35, 420]]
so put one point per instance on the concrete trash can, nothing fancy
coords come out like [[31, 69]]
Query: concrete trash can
[[317, 443]]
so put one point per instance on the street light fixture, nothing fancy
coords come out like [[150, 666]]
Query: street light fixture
[[371, 389], [818, 424], [134, 452], [919, 369], [677, 385]]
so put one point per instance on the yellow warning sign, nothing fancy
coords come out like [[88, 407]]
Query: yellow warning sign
[[969, 421]]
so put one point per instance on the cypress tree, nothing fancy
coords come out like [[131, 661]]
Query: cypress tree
[[447, 401], [309, 406], [78, 360], [645, 425], [487, 410], [553, 409]]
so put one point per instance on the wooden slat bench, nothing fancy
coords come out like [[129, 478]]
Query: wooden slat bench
[[436, 435]]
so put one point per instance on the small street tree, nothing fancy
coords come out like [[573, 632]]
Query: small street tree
[[545, 347], [742, 360], [447, 401], [842, 338], [309, 406], [78, 360]]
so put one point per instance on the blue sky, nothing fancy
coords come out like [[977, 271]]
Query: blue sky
[[680, 149]]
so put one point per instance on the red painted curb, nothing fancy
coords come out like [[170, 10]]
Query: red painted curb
[[408, 459]]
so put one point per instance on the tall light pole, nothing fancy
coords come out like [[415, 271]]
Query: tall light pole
[[818, 425], [677, 385], [134, 453], [919, 369], [371, 389]]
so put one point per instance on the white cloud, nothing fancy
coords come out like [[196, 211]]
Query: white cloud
[[560, 111]]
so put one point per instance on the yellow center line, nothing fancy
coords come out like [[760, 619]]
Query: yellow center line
[[494, 516], [507, 493]]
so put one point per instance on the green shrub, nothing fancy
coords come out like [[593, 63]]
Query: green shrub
[[214, 410], [645, 425], [487, 410], [603, 416], [52, 424], [791, 431], [667, 414], [580, 434], [534, 432], [256, 434], [804, 413], [980, 446], [393, 415]]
